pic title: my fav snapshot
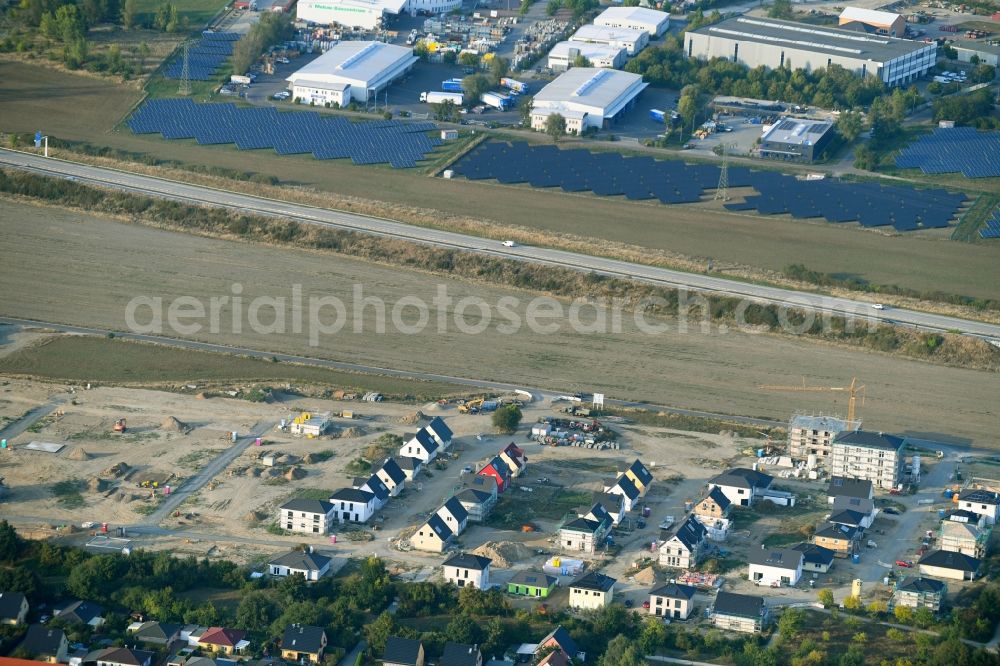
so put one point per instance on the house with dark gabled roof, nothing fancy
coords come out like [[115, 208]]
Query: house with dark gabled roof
[[586, 533], [776, 567], [613, 504], [390, 473], [477, 503], [841, 486], [43, 643], [515, 458], [460, 654], [422, 445], [640, 476], [468, 570], [592, 590], [985, 503], [81, 612], [624, 486], [376, 487], [410, 466], [13, 608], [865, 508], [946, 564], [122, 656], [841, 539], [917, 592], [403, 652], [499, 471], [301, 642], [531, 584], [155, 633], [454, 515], [309, 565], [685, 548], [849, 518], [672, 601], [816, 559], [306, 515], [739, 612], [713, 506], [741, 485], [433, 536], [440, 431], [353, 505], [560, 639]]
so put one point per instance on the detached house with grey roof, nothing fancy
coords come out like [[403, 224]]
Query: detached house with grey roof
[[422, 446], [985, 503], [739, 612], [392, 476], [741, 486], [685, 548], [586, 533], [433, 536], [353, 505], [454, 515], [309, 565], [306, 516], [468, 570], [672, 601], [13, 608]]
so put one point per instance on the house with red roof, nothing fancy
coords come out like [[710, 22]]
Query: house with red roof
[[226, 641], [500, 471]]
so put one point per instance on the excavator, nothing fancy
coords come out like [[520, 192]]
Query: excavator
[[120, 426], [471, 406]]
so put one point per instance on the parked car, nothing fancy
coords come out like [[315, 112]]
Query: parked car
[[891, 511], [645, 604], [878, 306], [629, 603], [904, 564]]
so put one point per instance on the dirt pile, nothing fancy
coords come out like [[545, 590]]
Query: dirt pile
[[503, 553], [254, 516], [119, 470], [412, 418], [171, 424], [295, 473], [353, 431], [78, 454], [647, 576], [98, 485]]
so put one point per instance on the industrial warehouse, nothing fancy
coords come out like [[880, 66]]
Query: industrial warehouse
[[635, 18], [564, 54], [351, 13], [630, 39], [871, 20], [586, 97], [795, 140], [773, 43], [350, 71]]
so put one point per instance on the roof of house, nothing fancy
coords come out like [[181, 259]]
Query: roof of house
[[862, 505], [554, 658], [674, 591], [393, 471], [13, 661], [303, 638], [10, 605], [980, 496], [42, 641], [690, 533], [401, 651], [473, 496], [533, 579], [352, 495], [582, 525], [641, 473], [847, 517], [426, 440], [870, 440], [562, 638], [468, 561], [455, 508], [813, 422], [408, 462], [437, 524], [779, 558], [514, 450], [719, 497], [920, 584], [222, 636], [841, 486], [484, 483], [627, 487], [813, 554], [440, 428], [741, 477], [308, 506], [499, 466], [610, 502], [594, 580], [301, 560], [80, 611], [958, 530], [836, 531], [459, 654], [156, 631], [739, 605], [122, 655], [946, 559], [963, 515]]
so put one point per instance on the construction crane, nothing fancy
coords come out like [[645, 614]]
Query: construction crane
[[853, 390]]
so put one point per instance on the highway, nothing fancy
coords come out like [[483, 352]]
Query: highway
[[159, 187]]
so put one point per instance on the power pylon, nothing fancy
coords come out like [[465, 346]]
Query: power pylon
[[722, 191], [185, 87]]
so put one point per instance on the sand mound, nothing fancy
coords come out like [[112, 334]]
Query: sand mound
[[121, 469], [503, 553], [254, 516], [78, 454], [172, 424], [200, 396], [412, 419], [295, 473], [98, 485], [353, 431], [647, 576]]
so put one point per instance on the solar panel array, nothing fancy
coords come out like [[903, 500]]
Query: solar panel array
[[992, 228], [392, 142], [673, 181], [956, 149], [204, 56]]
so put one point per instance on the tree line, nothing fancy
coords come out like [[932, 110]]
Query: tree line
[[272, 28]]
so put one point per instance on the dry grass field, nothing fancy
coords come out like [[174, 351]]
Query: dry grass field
[[79, 269], [88, 109]]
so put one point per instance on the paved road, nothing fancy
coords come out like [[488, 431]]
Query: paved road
[[209, 472], [319, 216], [540, 393], [14, 429]]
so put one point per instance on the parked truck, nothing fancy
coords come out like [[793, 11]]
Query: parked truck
[[497, 100], [452, 85], [434, 97], [514, 86]]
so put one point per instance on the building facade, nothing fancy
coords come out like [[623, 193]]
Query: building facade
[[591, 591], [672, 601], [813, 436], [466, 570], [306, 516], [873, 456]]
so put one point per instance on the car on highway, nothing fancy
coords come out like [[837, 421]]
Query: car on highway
[[878, 306], [509, 243]]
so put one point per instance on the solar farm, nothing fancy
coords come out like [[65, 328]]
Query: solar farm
[[673, 182], [204, 57], [401, 145], [963, 150], [992, 227]]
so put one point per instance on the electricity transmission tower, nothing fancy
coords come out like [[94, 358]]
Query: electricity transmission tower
[[722, 192], [185, 87]]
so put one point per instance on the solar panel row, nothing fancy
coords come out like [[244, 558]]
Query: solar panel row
[[399, 144], [992, 227], [957, 149], [673, 181], [204, 56]]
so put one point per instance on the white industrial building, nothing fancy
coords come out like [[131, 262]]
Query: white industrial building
[[883, 23], [772, 43], [350, 71], [635, 18], [563, 55], [586, 97], [630, 39], [349, 13]]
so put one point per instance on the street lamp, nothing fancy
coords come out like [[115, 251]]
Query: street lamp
[[39, 139]]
